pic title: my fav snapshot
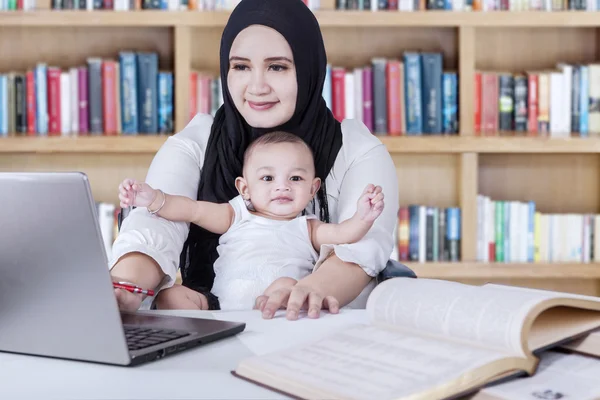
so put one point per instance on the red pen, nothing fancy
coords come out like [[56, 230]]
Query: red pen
[[132, 288]]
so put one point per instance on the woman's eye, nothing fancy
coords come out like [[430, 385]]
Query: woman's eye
[[239, 67], [278, 68]]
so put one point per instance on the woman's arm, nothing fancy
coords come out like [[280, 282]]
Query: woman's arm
[[344, 270], [147, 249]]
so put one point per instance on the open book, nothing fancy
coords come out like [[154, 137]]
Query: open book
[[428, 339]]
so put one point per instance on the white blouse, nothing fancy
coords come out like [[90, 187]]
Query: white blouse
[[175, 169]]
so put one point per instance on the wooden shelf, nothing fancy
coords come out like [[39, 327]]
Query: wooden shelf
[[396, 145], [466, 270], [327, 18], [83, 144]]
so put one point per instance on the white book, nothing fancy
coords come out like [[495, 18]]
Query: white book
[[65, 103], [349, 107], [358, 94], [556, 103], [74, 99]]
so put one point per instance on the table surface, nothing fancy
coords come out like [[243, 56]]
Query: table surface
[[200, 373]]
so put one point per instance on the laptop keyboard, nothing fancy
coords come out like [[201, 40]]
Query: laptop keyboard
[[140, 338]]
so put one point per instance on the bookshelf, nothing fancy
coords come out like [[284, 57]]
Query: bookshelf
[[560, 175]]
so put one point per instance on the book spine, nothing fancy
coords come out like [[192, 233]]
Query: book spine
[[583, 100], [338, 92], [506, 92], [380, 116], [129, 94], [450, 102], [42, 99], [54, 127], [65, 103], [412, 84], [95, 96], [403, 234], [165, 99], [3, 106], [575, 99], [20, 104], [453, 233], [108, 98], [367, 80], [520, 103], [414, 232], [431, 86], [82, 86], [532, 110], [393, 98], [477, 103], [147, 92]]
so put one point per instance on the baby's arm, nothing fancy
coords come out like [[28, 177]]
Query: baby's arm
[[369, 207], [213, 217]]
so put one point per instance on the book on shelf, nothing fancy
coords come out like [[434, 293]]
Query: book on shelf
[[166, 5], [409, 95], [126, 96], [428, 234], [18, 5], [516, 231], [464, 5], [560, 101], [428, 339]]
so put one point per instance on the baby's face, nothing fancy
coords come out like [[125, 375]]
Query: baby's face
[[280, 179]]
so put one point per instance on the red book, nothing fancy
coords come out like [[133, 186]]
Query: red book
[[489, 103], [477, 103], [53, 83], [338, 96], [109, 97], [403, 234], [532, 104], [204, 94], [193, 102], [31, 103], [392, 72]]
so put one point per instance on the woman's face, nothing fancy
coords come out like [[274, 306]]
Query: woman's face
[[262, 77]]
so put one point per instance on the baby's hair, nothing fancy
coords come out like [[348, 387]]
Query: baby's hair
[[275, 138]]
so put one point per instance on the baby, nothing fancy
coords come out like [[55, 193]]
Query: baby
[[266, 239]]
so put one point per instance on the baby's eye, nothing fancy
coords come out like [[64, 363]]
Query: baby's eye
[[296, 178], [267, 178]]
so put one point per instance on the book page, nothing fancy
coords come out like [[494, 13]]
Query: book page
[[559, 376], [372, 363], [588, 345], [484, 315]]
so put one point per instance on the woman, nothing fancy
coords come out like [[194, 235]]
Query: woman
[[273, 66]]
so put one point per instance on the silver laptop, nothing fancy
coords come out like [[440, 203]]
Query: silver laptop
[[56, 293]]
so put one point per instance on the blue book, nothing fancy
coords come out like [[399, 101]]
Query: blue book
[[327, 87], [147, 66], [129, 93], [412, 85], [165, 102], [584, 101], [431, 88], [450, 102], [530, 227], [41, 71], [3, 106], [453, 235]]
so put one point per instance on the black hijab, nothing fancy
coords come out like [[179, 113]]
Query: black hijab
[[230, 134]]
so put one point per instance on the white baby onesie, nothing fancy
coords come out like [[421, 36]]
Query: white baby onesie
[[255, 251]]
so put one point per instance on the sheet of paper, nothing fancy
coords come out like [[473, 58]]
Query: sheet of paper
[[559, 376], [265, 336], [370, 363]]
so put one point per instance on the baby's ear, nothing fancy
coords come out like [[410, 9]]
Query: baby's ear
[[315, 186], [242, 187]]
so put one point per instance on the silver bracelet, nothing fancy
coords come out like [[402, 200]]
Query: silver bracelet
[[161, 206]]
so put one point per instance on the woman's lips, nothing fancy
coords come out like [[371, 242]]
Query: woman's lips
[[261, 106]]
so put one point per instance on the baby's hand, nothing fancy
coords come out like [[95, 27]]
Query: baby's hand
[[137, 194], [370, 204]]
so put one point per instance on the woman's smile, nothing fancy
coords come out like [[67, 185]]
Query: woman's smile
[[261, 105]]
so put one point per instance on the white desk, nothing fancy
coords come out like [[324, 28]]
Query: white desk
[[200, 373]]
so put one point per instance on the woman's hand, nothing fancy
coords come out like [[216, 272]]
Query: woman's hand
[[299, 296], [179, 297]]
